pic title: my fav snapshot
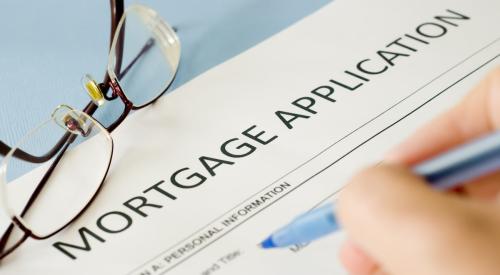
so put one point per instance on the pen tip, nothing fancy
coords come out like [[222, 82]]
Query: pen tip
[[267, 243]]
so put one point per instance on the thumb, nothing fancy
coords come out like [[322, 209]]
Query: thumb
[[408, 228]]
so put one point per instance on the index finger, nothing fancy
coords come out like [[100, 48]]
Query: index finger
[[477, 114]]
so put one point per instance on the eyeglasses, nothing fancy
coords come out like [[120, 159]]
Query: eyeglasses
[[43, 189]]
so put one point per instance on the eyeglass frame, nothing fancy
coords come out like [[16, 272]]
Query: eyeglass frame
[[117, 12]]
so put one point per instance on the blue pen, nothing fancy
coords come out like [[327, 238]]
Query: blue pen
[[472, 160]]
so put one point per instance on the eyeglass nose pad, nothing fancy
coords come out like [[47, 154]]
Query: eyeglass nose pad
[[71, 121], [93, 90]]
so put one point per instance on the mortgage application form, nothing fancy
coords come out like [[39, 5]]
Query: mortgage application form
[[199, 178]]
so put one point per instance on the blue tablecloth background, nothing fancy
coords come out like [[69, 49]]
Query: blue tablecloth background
[[47, 46]]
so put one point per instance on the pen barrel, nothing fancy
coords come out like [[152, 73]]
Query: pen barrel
[[463, 164], [310, 226], [477, 158]]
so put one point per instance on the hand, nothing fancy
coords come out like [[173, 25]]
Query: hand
[[398, 225]]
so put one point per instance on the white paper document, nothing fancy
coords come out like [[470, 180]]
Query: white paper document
[[199, 178]]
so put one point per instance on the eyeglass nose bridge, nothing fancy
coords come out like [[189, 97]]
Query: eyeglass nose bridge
[[71, 121]]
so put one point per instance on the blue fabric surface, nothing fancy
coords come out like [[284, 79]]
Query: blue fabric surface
[[48, 45]]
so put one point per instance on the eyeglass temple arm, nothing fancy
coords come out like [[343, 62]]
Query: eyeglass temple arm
[[20, 154], [144, 49], [4, 238], [89, 109], [120, 74], [117, 8]]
